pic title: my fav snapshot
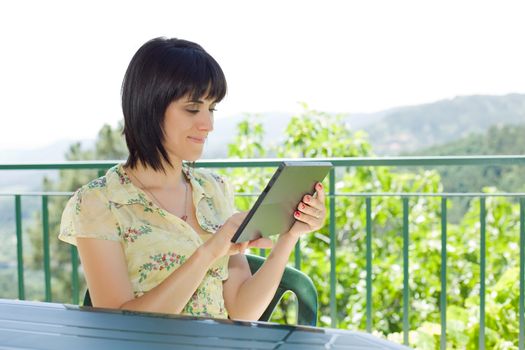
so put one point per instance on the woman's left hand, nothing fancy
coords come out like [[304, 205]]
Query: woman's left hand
[[310, 214]]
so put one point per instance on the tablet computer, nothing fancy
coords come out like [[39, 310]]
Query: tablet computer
[[273, 211]]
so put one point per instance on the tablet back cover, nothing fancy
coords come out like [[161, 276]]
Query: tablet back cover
[[274, 213]]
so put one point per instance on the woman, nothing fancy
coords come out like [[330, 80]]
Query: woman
[[154, 234]]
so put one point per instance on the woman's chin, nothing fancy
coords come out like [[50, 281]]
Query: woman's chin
[[193, 157]]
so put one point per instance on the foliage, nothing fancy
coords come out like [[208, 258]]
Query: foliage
[[318, 134]]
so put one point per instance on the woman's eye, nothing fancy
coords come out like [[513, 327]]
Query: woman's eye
[[195, 111]]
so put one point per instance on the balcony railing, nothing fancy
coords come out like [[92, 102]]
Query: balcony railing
[[332, 195]]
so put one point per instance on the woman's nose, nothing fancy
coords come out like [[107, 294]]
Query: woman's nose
[[206, 123]]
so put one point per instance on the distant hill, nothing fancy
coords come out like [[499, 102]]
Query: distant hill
[[391, 132], [403, 129], [497, 140], [413, 129]]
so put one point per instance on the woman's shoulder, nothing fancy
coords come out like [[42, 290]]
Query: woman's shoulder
[[88, 213], [93, 193], [96, 187], [102, 186]]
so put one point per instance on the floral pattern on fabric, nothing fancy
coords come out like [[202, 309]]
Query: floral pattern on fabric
[[160, 262], [131, 234], [97, 183], [155, 242], [149, 206], [194, 306], [123, 178], [217, 178], [216, 272], [78, 201], [209, 225]]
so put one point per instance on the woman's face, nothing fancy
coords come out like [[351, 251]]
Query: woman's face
[[187, 124]]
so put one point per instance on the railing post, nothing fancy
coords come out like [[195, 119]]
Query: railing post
[[406, 325], [19, 247], [482, 252], [333, 305], [443, 340], [45, 240], [368, 264], [522, 275]]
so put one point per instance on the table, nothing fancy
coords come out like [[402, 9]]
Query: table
[[38, 325]]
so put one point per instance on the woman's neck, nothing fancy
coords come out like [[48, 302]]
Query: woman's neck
[[149, 178]]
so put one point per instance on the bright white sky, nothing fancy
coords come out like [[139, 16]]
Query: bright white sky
[[62, 62]]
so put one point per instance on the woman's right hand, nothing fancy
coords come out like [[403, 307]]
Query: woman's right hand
[[220, 243]]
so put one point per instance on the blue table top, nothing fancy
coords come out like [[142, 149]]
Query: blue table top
[[37, 325]]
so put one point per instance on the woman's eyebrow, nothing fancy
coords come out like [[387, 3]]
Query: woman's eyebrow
[[199, 101]]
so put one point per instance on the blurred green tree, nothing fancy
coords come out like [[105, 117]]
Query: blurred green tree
[[318, 134]]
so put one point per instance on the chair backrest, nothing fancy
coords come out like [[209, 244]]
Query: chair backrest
[[293, 280], [296, 282]]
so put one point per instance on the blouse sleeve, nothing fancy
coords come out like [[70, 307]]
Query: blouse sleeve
[[88, 214]]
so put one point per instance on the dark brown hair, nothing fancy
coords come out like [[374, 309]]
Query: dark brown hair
[[162, 71]]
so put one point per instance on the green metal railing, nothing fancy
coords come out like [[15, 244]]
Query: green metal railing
[[101, 166]]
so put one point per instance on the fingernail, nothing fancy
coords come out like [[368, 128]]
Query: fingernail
[[307, 199], [297, 213], [320, 186], [302, 206]]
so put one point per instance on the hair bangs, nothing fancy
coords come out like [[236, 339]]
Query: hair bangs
[[201, 77]]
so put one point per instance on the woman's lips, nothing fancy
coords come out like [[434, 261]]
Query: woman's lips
[[197, 139]]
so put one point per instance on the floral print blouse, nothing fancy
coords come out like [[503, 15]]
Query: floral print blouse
[[155, 242]]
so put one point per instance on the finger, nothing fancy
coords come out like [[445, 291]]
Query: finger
[[307, 219], [310, 210], [313, 202], [307, 198], [261, 243], [319, 189]]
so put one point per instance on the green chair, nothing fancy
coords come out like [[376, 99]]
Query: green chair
[[293, 280], [297, 282]]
